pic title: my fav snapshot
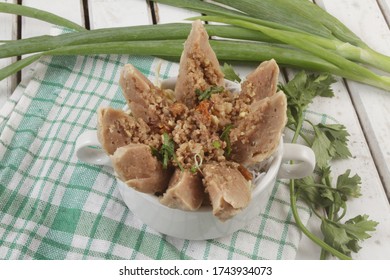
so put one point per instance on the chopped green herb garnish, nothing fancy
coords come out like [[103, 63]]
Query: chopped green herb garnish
[[229, 73], [194, 169], [156, 153], [167, 152], [225, 137], [206, 94], [216, 144]]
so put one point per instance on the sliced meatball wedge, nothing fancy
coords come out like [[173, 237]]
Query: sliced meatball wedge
[[256, 137], [141, 95], [261, 83], [116, 129], [199, 68], [185, 191], [135, 165], [229, 191]]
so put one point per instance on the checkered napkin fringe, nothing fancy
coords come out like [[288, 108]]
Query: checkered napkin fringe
[[53, 206]]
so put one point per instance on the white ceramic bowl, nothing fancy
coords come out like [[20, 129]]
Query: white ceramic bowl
[[202, 224]]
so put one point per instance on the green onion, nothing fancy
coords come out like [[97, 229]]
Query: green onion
[[170, 31], [299, 16], [295, 33], [302, 14], [39, 14], [106, 35], [226, 51], [308, 44], [212, 9], [283, 12], [17, 66], [306, 16]]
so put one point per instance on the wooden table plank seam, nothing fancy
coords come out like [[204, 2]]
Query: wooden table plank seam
[[384, 6], [85, 13]]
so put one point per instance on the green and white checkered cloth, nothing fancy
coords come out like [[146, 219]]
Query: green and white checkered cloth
[[53, 206]]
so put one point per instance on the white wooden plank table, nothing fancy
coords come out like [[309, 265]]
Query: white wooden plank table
[[31, 27], [364, 110]]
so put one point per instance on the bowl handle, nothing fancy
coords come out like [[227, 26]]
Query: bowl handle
[[303, 161], [89, 149]]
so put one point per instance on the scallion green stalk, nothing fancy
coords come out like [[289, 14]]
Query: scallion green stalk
[[208, 8], [291, 45], [226, 51], [306, 16], [306, 43], [170, 31], [286, 12], [17, 66]]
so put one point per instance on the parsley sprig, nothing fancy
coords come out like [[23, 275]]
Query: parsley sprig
[[326, 198]]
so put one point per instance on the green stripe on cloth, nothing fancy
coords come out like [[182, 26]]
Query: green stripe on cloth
[[53, 206]]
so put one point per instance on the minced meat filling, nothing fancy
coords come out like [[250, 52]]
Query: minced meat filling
[[197, 131]]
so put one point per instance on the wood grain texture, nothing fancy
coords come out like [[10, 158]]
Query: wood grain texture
[[114, 13], [70, 9]]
